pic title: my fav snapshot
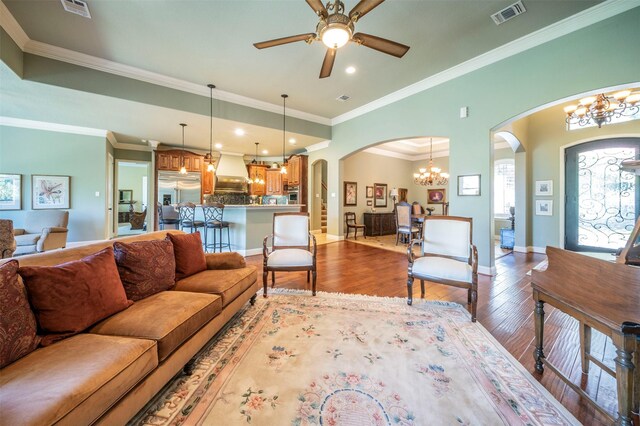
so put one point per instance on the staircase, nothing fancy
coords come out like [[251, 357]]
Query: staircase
[[323, 219]]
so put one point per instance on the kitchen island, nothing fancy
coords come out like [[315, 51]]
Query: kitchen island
[[248, 224]]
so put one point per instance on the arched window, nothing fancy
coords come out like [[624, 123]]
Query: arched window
[[504, 187]]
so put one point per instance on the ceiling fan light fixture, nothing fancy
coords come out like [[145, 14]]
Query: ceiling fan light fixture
[[336, 35]]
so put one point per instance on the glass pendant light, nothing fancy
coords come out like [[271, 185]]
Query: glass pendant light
[[283, 170], [208, 158], [183, 169]]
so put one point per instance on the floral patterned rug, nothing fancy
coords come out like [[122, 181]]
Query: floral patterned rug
[[294, 359]]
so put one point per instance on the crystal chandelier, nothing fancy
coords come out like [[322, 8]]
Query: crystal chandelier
[[602, 108], [257, 179], [432, 175]]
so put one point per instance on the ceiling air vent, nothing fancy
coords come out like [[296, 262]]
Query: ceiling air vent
[[342, 98], [508, 13], [76, 6]]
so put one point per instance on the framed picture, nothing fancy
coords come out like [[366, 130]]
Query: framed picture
[[544, 207], [436, 196], [10, 192], [369, 191], [370, 202], [380, 195], [544, 187], [50, 192], [350, 193], [125, 196], [469, 185]]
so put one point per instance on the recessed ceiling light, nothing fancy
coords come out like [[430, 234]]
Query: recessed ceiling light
[[350, 70], [265, 152], [292, 141], [239, 132], [218, 145]]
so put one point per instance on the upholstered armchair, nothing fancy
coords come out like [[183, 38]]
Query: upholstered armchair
[[448, 256], [291, 248], [43, 230], [7, 240], [404, 223]]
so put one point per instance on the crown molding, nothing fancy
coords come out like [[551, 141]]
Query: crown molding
[[318, 146], [386, 153], [568, 25], [11, 26], [53, 127]]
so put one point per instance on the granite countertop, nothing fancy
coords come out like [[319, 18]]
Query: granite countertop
[[262, 206]]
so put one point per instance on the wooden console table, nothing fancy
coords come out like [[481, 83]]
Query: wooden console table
[[601, 295], [380, 223]]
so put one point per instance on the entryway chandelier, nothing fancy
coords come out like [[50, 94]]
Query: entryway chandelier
[[433, 175], [602, 108]]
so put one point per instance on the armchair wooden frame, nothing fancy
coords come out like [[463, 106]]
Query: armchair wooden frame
[[472, 260], [311, 242]]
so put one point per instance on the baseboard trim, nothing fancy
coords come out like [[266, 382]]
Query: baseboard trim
[[530, 249], [335, 237], [250, 252], [487, 270]]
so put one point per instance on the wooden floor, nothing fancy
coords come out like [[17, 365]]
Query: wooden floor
[[505, 308]]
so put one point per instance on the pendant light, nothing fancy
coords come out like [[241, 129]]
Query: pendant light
[[257, 180], [283, 170], [183, 169], [208, 158]]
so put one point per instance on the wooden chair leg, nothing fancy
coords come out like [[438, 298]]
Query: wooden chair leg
[[474, 303], [355, 233], [273, 278], [313, 285], [422, 289], [397, 238], [410, 290], [264, 282], [364, 232], [347, 237], [585, 346], [308, 276]]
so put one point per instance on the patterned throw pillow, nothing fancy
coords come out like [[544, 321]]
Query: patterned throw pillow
[[70, 297], [189, 254], [17, 322], [145, 267]]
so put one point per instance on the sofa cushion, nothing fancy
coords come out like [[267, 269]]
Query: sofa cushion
[[27, 239], [168, 317], [75, 380], [228, 283], [145, 267], [189, 254], [70, 297], [17, 322]]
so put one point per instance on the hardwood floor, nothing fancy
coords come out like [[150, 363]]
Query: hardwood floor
[[505, 308]]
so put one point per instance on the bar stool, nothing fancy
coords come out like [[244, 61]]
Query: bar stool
[[213, 220], [187, 213], [162, 221]]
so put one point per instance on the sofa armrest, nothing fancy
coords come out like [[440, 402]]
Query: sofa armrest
[[54, 229], [52, 238], [18, 231], [224, 260]]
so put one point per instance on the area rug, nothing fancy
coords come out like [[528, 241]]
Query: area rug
[[294, 359]]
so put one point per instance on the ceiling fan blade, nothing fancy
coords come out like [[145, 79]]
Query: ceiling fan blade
[[318, 7], [327, 64], [381, 44], [284, 40], [362, 8]]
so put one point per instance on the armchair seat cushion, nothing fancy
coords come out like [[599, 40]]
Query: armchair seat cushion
[[27, 239], [443, 268], [289, 258], [407, 229]]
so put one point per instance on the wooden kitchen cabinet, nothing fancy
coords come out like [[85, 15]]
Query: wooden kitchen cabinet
[[294, 170], [257, 171], [273, 182], [208, 181]]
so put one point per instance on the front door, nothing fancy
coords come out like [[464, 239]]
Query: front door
[[602, 201]]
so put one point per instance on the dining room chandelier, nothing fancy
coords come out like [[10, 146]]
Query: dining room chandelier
[[602, 109], [433, 175]]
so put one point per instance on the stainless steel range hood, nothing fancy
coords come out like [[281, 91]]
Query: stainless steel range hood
[[231, 174]]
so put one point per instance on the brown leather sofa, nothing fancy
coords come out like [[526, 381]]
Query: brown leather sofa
[[108, 373]]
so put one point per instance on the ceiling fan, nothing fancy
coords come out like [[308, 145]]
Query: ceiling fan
[[335, 29]]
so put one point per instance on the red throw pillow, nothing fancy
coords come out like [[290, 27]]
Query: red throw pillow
[[70, 297], [189, 254], [17, 323], [145, 267]]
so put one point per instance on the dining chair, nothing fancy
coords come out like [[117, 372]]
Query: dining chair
[[350, 223], [293, 248], [404, 224], [448, 257]]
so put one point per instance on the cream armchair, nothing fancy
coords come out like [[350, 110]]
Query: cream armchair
[[448, 257], [291, 251], [43, 230]]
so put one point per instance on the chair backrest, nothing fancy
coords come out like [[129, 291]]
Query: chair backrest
[[447, 236], [350, 218], [416, 208], [7, 239], [403, 214], [187, 212], [213, 212], [291, 230], [36, 220], [159, 211], [169, 212]]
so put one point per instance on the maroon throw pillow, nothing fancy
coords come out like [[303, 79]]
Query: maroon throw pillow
[[145, 267], [189, 254], [70, 297], [17, 323]]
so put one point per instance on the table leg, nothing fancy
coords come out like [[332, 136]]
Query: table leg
[[585, 346], [636, 385], [625, 346], [538, 354]]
